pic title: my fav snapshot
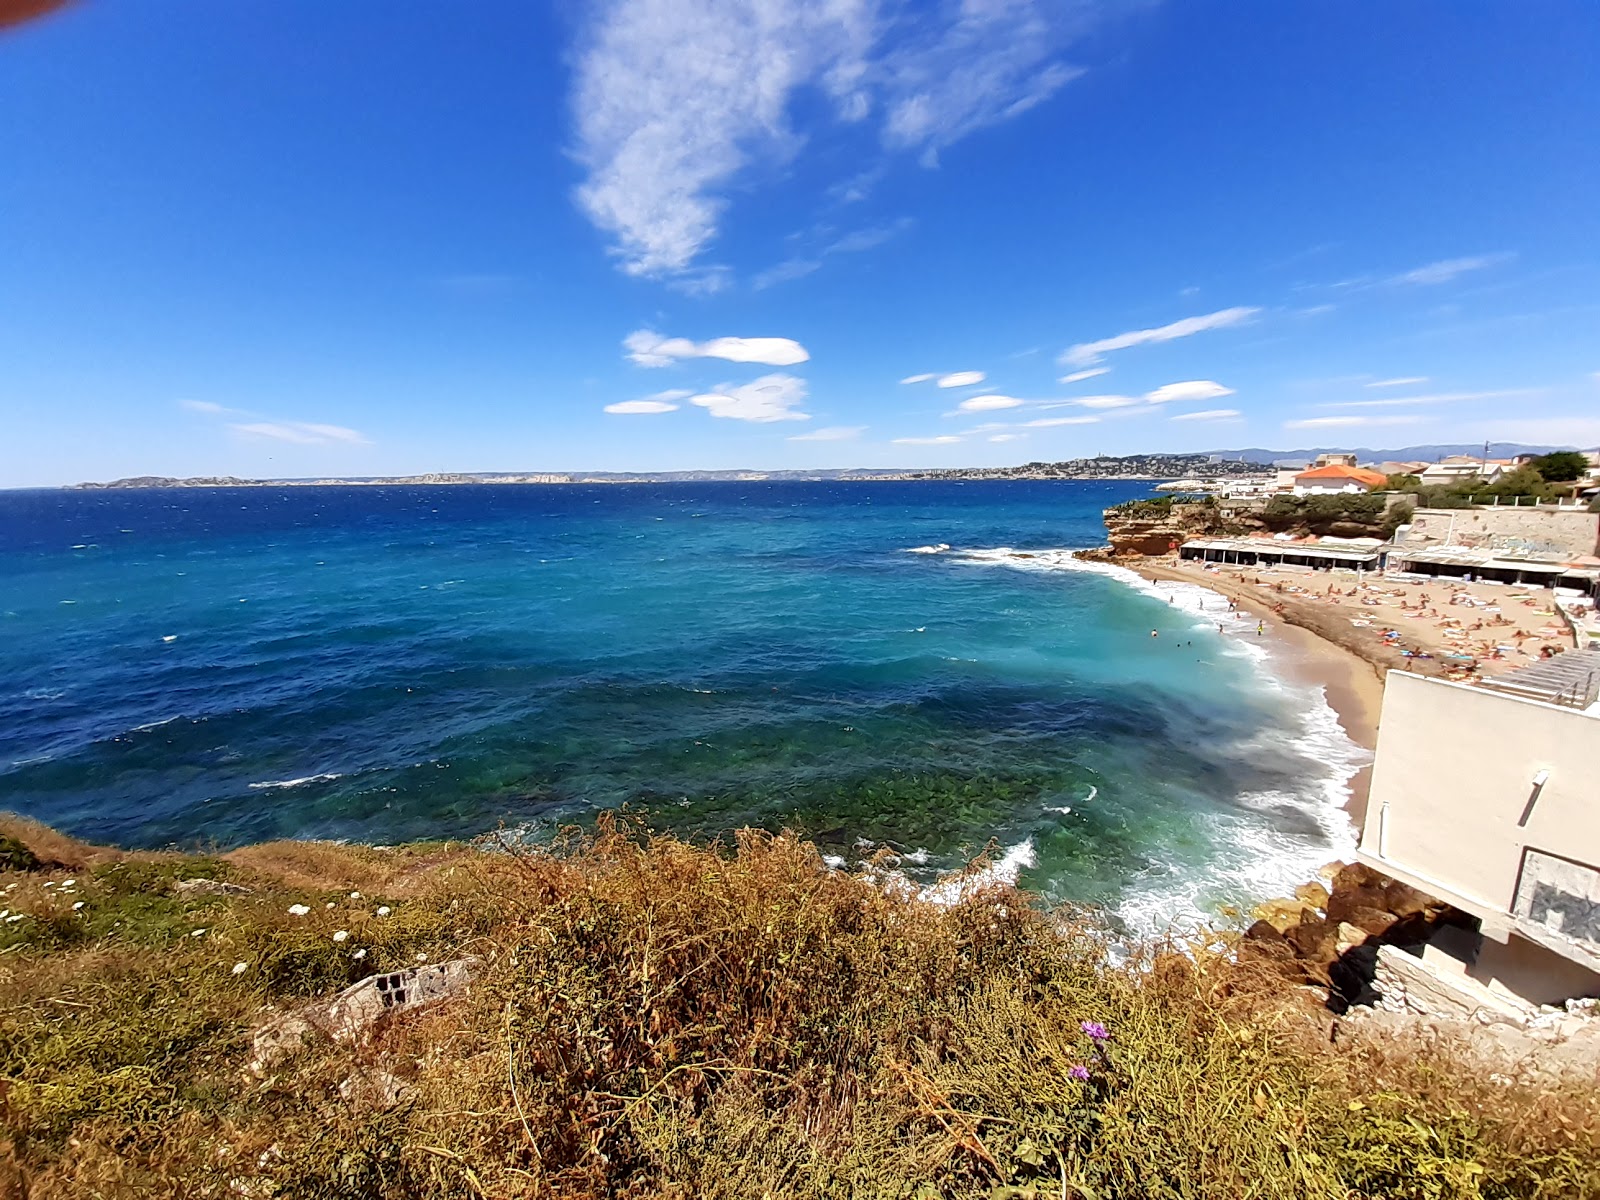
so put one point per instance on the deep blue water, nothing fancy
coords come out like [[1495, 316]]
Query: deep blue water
[[383, 663]]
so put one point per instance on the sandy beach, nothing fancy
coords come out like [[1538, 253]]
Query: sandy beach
[[1347, 633]]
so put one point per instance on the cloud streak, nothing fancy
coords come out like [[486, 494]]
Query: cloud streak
[[960, 379], [661, 402], [1447, 269], [1089, 373], [301, 433], [1210, 414], [988, 403], [1191, 389], [1348, 421], [1087, 353], [673, 102], [647, 348], [832, 433]]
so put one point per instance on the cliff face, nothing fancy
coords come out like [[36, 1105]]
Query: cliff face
[[1149, 531]]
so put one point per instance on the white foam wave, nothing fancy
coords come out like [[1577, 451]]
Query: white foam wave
[[1255, 857], [955, 888], [294, 783], [940, 548], [155, 724]]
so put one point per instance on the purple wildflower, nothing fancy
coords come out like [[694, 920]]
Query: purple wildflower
[[1078, 1072], [1095, 1030]]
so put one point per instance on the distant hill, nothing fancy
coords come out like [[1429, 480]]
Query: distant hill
[[1403, 454]]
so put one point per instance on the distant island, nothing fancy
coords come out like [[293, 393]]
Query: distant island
[[1128, 466]]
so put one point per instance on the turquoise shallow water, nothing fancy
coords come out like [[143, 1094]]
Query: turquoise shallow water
[[386, 663]]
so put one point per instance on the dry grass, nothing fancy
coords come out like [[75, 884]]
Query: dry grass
[[656, 1019]]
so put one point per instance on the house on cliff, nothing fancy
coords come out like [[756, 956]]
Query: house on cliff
[[1336, 479]]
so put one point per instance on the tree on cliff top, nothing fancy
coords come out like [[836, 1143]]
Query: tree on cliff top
[[1561, 466]]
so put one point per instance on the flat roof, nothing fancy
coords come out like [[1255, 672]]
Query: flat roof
[[1462, 556], [1266, 546]]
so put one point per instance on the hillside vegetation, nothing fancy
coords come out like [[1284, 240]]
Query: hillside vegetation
[[652, 1018]]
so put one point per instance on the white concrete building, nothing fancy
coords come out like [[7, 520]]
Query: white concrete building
[[1486, 797]]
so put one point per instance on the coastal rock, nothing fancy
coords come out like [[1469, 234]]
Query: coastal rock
[[1283, 915], [1374, 922], [1346, 901], [1315, 941], [1313, 894], [1349, 938]]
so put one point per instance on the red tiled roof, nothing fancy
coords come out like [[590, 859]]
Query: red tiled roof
[[1352, 474]]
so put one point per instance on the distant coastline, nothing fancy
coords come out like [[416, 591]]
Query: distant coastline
[[1151, 467]]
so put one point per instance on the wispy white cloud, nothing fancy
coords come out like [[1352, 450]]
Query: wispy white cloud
[[770, 398], [1190, 389], [961, 379], [1435, 398], [672, 101], [917, 378], [1088, 373], [1095, 402], [1051, 422], [789, 269], [1007, 437], [855, 242], [1210, 414], [1447, 269], [832, 433], [945, 439], [1085, 353], [1348, 422], [647, 348], [1398, 381], [203, 406], [988, 403], [660, 402], [302, 433]]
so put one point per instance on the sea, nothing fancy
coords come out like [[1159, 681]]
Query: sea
[[919, 667]]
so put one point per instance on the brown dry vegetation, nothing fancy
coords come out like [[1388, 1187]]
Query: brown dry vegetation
[[657, 1019]]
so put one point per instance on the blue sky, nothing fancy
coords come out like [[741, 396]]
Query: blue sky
[[304, 238]]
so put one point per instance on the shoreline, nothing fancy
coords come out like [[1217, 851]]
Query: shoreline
[[1351, 682]]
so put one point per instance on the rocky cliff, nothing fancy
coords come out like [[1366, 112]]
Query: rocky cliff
[[1150, 528]]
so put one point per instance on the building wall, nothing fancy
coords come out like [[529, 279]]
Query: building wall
[[1541, 530], [1453, 775], [1528, 971], [1328, 489]]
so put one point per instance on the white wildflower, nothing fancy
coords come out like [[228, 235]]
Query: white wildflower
[[14, 918], [77, 906], [358, 955], [50, 883], [421, 957], [329, 904], [355, 895], [201, 932], [342, 935], [383, 910], [298, 910], [69, 882], [240, 968]]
